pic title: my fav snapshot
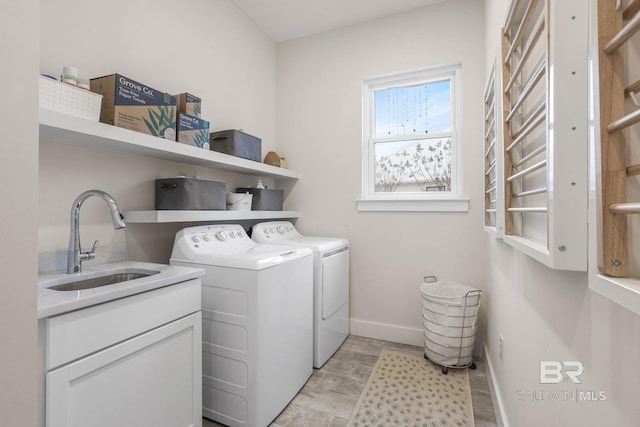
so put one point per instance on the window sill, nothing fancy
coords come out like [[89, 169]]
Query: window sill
[[441, 204], [621, 290]]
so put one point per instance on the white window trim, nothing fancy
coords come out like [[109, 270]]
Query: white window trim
[[453, 201], [453, 204]]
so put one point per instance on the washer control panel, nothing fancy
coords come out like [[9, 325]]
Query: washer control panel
[[208, 238], [274, 231]]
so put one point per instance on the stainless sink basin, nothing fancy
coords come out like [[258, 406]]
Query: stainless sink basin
[[78, 284]]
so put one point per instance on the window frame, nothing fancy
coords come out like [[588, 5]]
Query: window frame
[[449, 201]]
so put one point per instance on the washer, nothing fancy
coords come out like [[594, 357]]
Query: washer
[[330, 282], [257, 346]]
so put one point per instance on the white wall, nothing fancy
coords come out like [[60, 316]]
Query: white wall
[[320, 131], [18, 218], [205, 47], [552, 315]]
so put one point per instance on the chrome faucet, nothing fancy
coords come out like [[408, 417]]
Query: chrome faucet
[[75, 256]]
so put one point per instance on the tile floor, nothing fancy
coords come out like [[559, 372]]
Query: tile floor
[[331, 393]]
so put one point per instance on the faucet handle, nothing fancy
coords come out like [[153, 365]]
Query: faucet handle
[[87, 256]]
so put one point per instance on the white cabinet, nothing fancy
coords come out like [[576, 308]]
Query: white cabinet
[[135, 361], [145, 381]]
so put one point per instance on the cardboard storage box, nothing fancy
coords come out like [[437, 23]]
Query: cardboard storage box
[[264, 199], [134, 106], [237, 144], [190, 194], [189, 104], [193, 131]]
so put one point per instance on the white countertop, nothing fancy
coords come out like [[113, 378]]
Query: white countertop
[[51, 302]]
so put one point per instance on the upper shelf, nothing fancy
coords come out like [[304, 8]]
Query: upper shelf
[[158, 217], [61, 127]]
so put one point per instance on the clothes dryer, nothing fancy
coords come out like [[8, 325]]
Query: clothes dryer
[[257, 325], [330, 283]]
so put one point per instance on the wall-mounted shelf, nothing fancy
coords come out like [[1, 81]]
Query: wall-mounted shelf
[[60, 127], [157, 217]]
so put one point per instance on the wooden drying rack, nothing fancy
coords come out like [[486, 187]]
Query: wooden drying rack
[[542, 127], [491, 159], [613, 33], [519, 36]]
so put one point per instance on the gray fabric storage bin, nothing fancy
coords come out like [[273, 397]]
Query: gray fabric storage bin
[[237, 144], [264, 199], [190, 194]]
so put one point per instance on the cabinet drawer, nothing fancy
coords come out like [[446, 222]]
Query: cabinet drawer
[[79, 333]]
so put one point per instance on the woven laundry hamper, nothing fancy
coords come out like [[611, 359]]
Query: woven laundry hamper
[[450, 317]]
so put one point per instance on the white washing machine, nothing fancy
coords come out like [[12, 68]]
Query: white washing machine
[[257, 300], [330, 282]]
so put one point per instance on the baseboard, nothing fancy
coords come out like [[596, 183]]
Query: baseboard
[[383, 331], [496, 396], [395, 333]]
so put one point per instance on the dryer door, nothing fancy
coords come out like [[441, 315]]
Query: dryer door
[[335, 280]]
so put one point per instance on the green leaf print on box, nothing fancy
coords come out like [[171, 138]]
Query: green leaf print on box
[[160, 122], [197, 107], [201, 139]]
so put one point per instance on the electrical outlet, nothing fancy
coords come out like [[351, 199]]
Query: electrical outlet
[[501, 349]]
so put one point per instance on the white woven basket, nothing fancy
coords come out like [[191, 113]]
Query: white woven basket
[[68, 99]]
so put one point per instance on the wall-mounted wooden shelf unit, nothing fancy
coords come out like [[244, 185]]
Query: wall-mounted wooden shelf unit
[[493, 188], [617, 177]]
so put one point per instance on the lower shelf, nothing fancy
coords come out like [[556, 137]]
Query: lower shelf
[[201, 216]]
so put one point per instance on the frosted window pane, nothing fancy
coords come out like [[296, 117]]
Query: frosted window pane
[[413, 166]]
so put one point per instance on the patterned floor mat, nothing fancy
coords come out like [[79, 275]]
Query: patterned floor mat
[[406, 390]]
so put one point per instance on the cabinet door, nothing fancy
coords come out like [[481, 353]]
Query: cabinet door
[[151, 380]]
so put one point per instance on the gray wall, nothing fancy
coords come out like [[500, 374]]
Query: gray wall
[[320, 130], [18, 216]]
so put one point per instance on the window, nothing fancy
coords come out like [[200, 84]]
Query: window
[[410, 146]]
